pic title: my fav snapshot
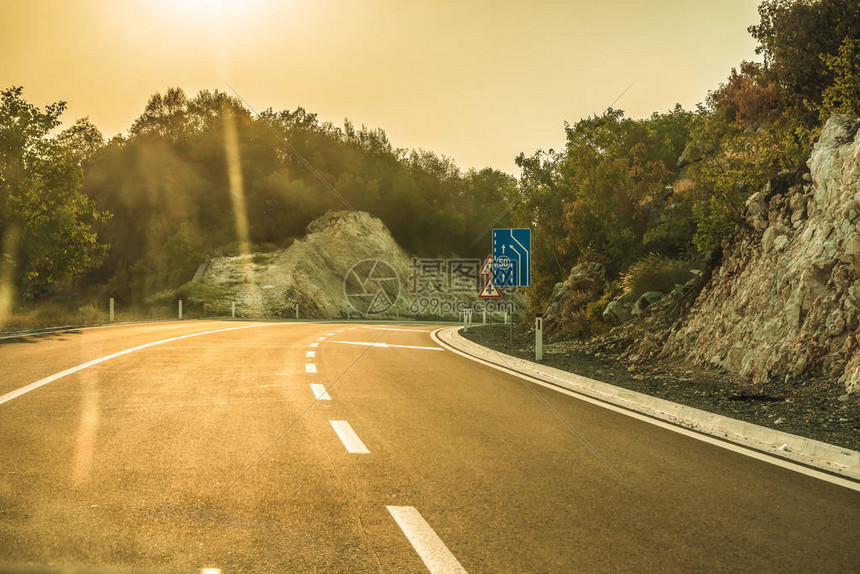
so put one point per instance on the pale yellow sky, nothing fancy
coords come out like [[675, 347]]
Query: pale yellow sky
[[477, 81]]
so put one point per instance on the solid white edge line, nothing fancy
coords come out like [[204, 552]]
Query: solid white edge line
[[349, 438], [50, 379], [319, 392], [310, 367], [663, 424], [430, 548]]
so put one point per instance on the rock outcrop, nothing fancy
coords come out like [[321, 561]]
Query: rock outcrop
[[786, 298], [310, 273]]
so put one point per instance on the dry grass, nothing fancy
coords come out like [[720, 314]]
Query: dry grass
[[655, 273]]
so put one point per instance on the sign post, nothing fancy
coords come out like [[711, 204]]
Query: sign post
[[538, 337]]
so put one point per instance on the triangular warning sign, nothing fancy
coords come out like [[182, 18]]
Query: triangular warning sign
[[487, 267], [489, 291]]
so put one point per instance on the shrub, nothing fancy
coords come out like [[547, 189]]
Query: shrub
[[843, 96], [655, 273]]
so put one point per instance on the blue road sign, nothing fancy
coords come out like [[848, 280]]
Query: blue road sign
[[512, 257]]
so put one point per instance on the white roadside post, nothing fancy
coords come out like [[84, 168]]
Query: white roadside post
[[538, 337], [111, 309], [347, 314], [297, 311], [233, 309], [180, 309]]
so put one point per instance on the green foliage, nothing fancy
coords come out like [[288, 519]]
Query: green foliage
[[674, 228], [169, 188], [199, 293], [40, 194], [602, 195], [742, 160], [655, 273], [843, 96], [796, 39]]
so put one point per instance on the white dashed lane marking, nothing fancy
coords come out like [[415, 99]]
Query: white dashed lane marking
[[311, 354], [320, 393], [424, 540], [310, 367], [349, 438], [315, 344]]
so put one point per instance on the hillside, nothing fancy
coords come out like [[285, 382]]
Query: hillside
[[782, 303]]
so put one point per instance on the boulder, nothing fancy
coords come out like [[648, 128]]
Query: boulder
[[616, 313], [646, 300], [586, 276]]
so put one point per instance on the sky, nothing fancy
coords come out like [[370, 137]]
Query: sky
[[477, 81]]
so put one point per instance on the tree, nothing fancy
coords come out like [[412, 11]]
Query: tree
[[796, 37], [843, 96], [40, 198]]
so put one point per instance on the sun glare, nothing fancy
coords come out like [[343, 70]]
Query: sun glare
[[211, 11]]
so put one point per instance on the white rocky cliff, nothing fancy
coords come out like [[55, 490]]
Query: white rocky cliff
[[311, 271], [785, 300]]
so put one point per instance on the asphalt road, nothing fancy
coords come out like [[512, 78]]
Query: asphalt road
[[212, 451]]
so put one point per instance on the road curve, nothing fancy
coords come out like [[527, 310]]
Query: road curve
[[351, 447]]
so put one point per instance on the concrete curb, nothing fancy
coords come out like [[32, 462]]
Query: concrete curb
[[827, 457]]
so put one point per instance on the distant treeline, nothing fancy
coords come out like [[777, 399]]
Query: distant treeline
[[138, 214]]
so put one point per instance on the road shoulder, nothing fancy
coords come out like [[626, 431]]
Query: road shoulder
[[780, 445]]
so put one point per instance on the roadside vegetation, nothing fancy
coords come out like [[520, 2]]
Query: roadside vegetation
[[653, 199], [83, 219]]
